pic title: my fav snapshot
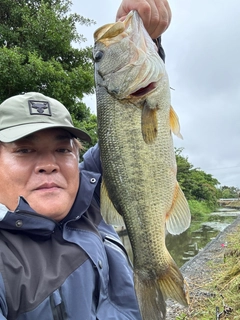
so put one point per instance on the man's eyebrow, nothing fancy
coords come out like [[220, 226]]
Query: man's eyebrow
[[66, 136], [58, 137]]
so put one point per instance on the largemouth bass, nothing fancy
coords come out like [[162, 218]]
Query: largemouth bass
[[135, 125]]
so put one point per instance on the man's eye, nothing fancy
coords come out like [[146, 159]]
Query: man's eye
[[63, 150], [24, 150]]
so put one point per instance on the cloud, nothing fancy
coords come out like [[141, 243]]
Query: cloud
[[203, 62], [203, 53]]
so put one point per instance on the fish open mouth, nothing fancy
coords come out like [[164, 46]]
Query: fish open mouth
[[145, 90]]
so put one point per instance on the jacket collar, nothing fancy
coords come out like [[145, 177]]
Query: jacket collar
[[25, 220]]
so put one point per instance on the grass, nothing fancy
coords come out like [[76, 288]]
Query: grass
[[223, 291], [199, 208]]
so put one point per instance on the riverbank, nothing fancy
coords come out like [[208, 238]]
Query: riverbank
[[230, 203], [199, 271]]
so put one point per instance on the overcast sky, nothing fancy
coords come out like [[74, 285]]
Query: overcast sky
[[202, 48]]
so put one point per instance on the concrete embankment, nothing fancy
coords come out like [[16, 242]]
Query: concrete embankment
[[197, 271], [230, 203]]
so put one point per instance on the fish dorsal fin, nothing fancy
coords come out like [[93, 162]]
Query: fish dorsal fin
[[149, 124], [108, 210], [179, 217], [174, 123]]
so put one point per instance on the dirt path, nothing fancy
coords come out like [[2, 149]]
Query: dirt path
[[197, 270]]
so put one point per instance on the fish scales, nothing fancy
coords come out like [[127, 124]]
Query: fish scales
[[135, 121], [134, 198]]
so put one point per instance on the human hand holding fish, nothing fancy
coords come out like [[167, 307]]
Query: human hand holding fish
[[135, 126], [156, 14]]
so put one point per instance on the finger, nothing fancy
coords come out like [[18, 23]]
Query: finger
[[146, 13], [138, 5], [152, 21], [160, 18], [165, 14], [144, 9], [156, 14]]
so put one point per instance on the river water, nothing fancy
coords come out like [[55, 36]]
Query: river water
[[185, 246]]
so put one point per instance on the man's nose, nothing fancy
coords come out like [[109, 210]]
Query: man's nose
[[46, 163]]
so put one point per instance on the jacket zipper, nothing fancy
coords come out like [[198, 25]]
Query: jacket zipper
[[117, 245], [58, 310]]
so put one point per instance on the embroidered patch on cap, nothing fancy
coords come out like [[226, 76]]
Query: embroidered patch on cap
[[39, 108]]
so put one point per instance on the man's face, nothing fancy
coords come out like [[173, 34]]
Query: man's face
[[43, 168]]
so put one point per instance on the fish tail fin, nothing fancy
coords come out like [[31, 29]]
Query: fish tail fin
[[153, 291], [173, 285], [150, 298]]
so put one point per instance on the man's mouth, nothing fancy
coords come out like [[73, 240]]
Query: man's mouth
[[45, 186]]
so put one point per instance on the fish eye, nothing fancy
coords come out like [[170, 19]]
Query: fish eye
[[98, 56]]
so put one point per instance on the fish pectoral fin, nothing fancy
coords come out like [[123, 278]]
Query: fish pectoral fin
[[179, 217], [174, 123], [149, 124], [108, 211]]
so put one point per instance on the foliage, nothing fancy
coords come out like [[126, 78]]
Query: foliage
[[90, 125], [229, 192], [199, 208], [36, 54], [195, 183]]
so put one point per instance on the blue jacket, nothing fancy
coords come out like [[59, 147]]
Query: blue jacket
[[76, 269]]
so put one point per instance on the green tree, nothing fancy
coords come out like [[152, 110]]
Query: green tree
[[229, 192], [37, 54], [183, 173], [195, 183]]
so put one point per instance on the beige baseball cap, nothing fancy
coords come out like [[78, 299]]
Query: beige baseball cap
[[26, 113]]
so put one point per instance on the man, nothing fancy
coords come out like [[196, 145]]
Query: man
[[58, 258]]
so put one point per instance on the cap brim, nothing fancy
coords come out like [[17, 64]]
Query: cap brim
[[18, 132]]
